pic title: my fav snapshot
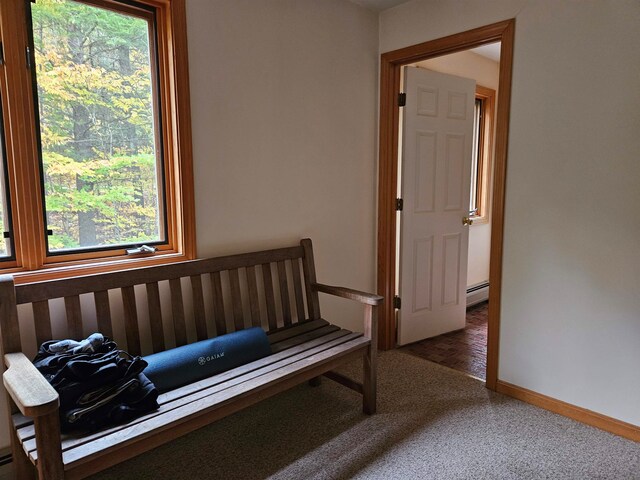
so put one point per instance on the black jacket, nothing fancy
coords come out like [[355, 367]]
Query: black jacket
[[99, 385]]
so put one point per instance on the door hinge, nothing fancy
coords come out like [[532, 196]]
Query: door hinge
[[28, 56], [399, 204], [1, 54], [402, 99], [397, 303]]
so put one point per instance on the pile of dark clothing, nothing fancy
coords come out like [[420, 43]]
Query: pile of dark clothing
[[99, 385]]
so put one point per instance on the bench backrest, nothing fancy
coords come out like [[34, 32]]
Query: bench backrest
[[151, 309]]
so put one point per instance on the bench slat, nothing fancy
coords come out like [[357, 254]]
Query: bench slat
[[34, 292], [294, 336], [177, 312], [304, 327], [218, 304], [198, 307], [155, 317], [208, 404], [74, 317], [25, 425], [277, 347], [103, 312], [268, 294], [131, 320], [313, 303], [303, 345], [254, 302], [42, 321], [217, 383], [312, 333], [284, 293], [297, 289], [236, 299]]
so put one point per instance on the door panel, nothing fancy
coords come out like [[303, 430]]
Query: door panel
[[454, 181], [425, 172], [423, 259], [436, 171], [451, 269]]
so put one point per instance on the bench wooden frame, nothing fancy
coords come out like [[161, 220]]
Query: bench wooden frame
[[304, 347]]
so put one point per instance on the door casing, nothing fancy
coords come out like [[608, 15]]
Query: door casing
[[390, 66]]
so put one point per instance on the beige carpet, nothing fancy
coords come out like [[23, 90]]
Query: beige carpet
[[433, 423]]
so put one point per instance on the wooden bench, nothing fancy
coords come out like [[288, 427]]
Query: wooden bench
[[151, 309]]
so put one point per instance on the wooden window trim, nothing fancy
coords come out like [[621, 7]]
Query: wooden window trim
[[485, 154], [32, 262]]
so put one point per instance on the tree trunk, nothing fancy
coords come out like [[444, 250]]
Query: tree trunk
[[87, 231]]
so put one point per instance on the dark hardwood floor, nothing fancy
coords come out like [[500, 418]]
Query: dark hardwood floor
[[464, 350]]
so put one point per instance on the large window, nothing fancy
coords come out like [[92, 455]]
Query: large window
[[104, 166]]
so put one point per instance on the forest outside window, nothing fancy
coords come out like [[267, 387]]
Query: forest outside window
[[105, 94]]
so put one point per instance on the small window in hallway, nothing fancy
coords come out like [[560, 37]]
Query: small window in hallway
[[482, 152]]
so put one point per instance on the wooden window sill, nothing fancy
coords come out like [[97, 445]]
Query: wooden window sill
[[68, 269]]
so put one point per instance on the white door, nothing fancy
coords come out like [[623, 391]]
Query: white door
[[436, 174]]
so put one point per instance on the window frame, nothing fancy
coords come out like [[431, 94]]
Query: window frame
[[32, 261], [485, 154], [4, 178]]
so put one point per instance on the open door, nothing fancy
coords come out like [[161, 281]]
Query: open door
[[436, 172]]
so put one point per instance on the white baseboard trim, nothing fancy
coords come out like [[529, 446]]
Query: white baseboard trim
[[477, 293]]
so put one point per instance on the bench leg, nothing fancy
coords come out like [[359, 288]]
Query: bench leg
[[50, 466], [370, 360], [315, 381], [369, 381]]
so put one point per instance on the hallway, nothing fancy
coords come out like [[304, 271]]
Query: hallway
[[464, 350]]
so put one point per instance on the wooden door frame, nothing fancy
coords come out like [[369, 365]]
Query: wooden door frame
[[391, 64]]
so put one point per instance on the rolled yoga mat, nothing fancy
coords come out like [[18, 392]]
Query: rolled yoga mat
[[187, 364]]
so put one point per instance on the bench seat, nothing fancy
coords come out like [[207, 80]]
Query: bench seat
[[312, 346], [151, 309]]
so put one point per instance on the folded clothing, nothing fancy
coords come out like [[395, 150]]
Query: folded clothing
[[189, 363], [98, 384]]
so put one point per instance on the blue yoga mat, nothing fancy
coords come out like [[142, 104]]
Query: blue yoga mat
[[187, 364]]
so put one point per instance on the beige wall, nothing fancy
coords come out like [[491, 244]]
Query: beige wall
[[571, 276], [284, 111], [485, 72]]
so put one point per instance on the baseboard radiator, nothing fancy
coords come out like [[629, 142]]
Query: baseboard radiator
[[477, 293]]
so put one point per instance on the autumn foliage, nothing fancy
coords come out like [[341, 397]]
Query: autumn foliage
[[101, 167]]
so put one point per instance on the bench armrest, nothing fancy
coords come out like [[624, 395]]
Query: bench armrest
[[362, 297], [31, 392]]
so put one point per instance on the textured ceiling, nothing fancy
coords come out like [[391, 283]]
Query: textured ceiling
[[491, 51]]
